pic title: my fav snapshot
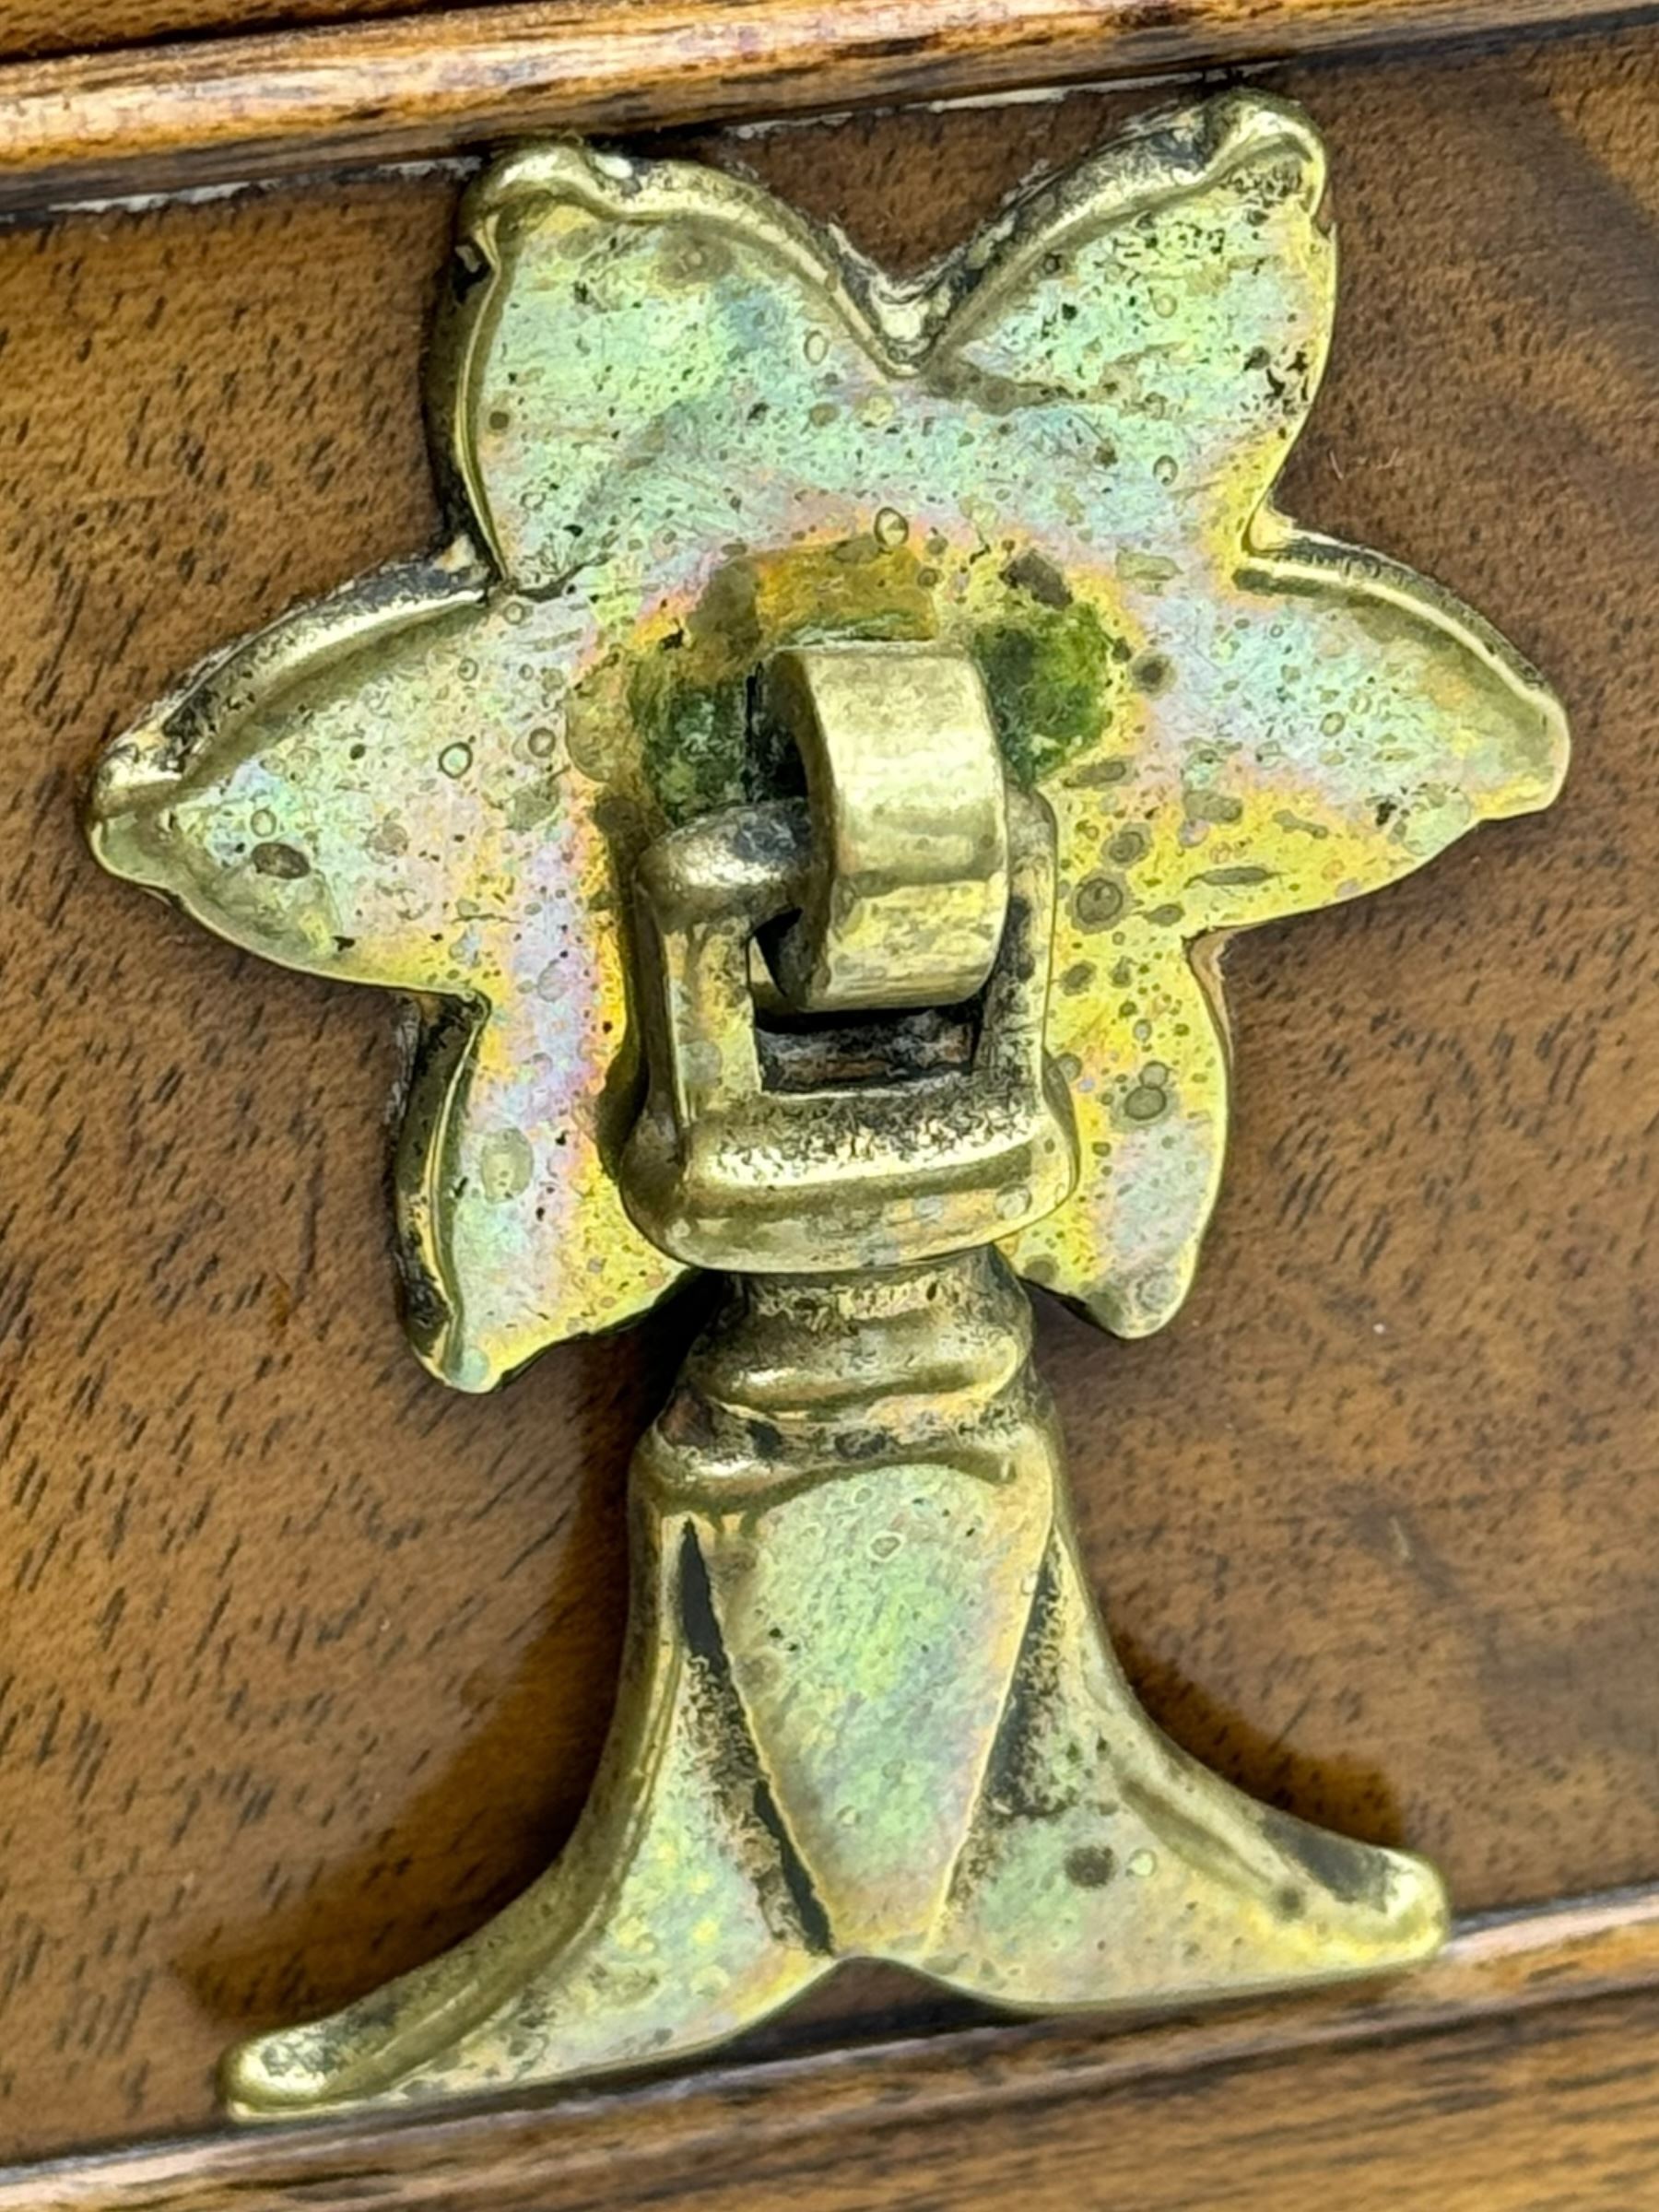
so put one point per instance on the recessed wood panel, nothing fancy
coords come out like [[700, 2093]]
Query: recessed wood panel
[[303, 1662]]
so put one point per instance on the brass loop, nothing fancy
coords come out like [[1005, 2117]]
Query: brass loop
[[726, 1166], [909, 884]]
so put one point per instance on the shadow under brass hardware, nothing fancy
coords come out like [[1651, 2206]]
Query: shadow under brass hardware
[[799, 801]]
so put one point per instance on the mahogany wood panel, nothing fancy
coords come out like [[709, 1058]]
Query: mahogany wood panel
[[304, 1663], [125, 121]]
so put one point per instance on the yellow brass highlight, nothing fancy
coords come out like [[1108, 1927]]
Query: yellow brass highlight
[[910, 869], [728, 494]]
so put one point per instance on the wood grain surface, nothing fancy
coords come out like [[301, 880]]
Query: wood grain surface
[[49, 27], [157, 117], [35, 28], [304, 1663]]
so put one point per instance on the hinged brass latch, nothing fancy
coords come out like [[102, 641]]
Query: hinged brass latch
[[761, 1151], [798, 800]]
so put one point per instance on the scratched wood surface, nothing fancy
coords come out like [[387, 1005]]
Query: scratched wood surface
[[40, 28], [154, 117], [304, 1664]]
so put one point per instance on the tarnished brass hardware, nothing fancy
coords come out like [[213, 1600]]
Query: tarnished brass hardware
[[727, 1170], [867, 1710], [724, 490], [910, 874]]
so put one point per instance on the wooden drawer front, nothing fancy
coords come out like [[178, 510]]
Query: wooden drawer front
[[306, 1662]]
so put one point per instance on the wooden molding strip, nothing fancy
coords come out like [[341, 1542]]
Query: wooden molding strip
[[158, 117], [582, 2150]]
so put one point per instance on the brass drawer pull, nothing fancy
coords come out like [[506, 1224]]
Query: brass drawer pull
[[988, 563]]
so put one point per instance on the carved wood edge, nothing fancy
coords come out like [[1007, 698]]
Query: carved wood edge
[[166, 116], [501, 2159]]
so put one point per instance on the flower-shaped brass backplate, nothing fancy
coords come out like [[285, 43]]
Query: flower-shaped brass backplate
[[681, 429]]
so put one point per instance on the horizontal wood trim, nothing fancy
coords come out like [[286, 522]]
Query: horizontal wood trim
[[43, 27], [151, 117], [671, 2142]]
